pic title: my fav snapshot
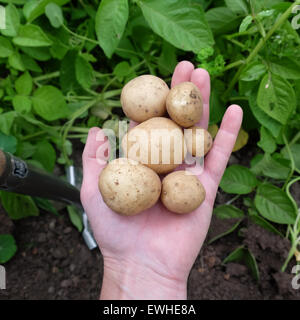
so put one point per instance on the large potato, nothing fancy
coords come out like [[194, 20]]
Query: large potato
[[184, 104], [182, 192], [198, 141], [157, 143], [144, 97], [128, 187]]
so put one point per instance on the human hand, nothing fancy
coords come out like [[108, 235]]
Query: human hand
[[150, 255]]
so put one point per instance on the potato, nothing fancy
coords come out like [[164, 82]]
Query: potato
[[182, 192], [144, 97], [157, 143], [184, 104], [128, 188], [198, 141]]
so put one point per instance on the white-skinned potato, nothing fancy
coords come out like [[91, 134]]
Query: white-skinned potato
[[144, 97], [128, 188], [198, 141], [184, 104], [182, 192], [158, 143]]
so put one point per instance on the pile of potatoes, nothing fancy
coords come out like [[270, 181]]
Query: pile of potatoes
[[157, 145]]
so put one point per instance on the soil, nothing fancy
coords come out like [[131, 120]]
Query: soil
[[53, 262]]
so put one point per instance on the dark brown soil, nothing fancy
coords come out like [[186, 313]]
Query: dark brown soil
[[53, 262]]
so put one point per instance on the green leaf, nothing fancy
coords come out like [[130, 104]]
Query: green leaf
[[54, 14], [45, 154], [253, 71], [237, 6], [217, 107], [37, 53], [18, 206], [121, 70], [49, 103], [6, 121], [276, 97], [274, 204], [111, 19], [266, 142], [67, 78], [75, 218], [245, 23], [30, 64], [287, 68], [8, 247], [241, 254], [40, 6], [14, 1], [273, 125], [225, 233], [31, 35], [46, 205], [181, 23], [228, 212], [271, 168], [12, 21], [6, 48], [84, 72], [22, 104], [222, 20], [15, 61], [238, 180], [24, 84], [257, 219], [8, 143], [295, 150], [167, 60], [26, 149]]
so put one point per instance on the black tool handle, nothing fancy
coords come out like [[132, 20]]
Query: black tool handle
[[17, 176]]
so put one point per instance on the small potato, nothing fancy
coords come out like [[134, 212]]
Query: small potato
[[198, 141], [144, 97], [128, 188], [158, 143], [182, 192], [184, 104]]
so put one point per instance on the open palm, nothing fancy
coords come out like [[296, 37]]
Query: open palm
[[157, 239]]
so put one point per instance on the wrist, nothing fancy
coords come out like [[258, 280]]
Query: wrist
[[127, 280]]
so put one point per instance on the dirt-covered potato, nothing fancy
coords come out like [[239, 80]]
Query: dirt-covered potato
[[182, 192], [144, 97], [184, 104], [198, 141], [128, 187], [158, 143]]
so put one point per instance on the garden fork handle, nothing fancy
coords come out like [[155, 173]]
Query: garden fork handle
[[17, 176]]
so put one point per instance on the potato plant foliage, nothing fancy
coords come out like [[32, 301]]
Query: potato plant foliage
[[63, 64]]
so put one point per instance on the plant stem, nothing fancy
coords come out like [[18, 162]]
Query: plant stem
[[79, 129], [292, 161], [70, 98], [234, 64], [238, 34], [237, 98], [233, 199], [236, 42], [47, 76], [289, 257], [69, 125], [77, 136], [259, 46], [33, 135], [79, 36], [295, 139]]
